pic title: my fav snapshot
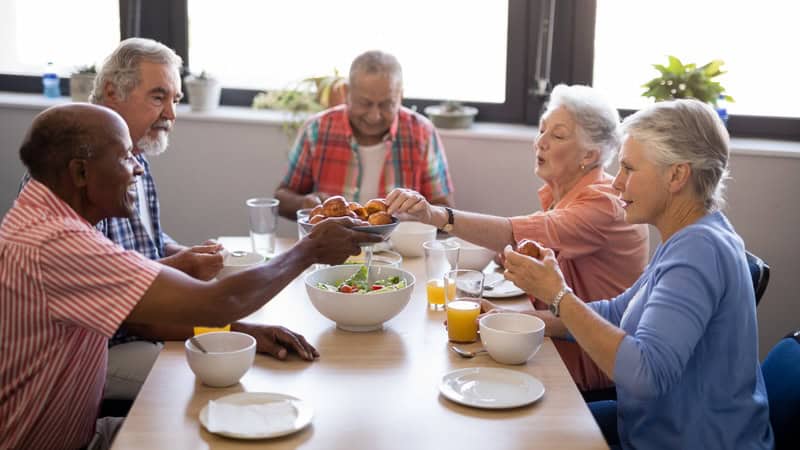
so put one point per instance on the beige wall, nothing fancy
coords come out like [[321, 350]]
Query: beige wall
[[214, 164]]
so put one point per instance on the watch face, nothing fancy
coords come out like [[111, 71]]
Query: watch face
[[554, 309], [447, 228]]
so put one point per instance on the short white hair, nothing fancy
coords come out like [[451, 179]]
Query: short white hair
[[686, 131], [377, 62], [121, 68], [597, 119]]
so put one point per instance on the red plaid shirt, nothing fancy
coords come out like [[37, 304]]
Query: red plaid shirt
[[326, 159]]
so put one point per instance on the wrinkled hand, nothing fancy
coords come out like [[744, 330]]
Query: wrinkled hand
[[200, 261], [540, 279], [334, 240], [409, 203], [278, 341], [313, 199]]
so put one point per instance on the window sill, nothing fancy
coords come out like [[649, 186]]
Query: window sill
[[480, 130]]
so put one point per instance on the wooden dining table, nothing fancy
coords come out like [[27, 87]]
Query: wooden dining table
[[373, 390]]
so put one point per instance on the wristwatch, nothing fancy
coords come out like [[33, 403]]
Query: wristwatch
[[554, 307], [448, 227]]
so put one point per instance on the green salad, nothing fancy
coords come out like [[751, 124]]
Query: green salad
[[358, 284]]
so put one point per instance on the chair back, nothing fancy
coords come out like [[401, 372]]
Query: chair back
[[781, 370], [759, 270]]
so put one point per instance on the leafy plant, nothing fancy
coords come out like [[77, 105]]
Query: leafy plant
[[87, 69], [678, 80]]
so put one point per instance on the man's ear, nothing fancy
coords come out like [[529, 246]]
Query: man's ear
[[679, 176], [110, 93], [77, 172]]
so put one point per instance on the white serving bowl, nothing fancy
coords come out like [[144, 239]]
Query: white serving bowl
[[237, 261], [511, 338], [358, 312], [472, 256], [409, 236], [230, 355]]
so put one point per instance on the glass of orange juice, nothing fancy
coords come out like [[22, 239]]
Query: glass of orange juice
[[440, 258], [201, 330], [463, 289]]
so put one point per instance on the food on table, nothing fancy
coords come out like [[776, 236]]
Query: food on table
[[376, 205], [359, 210], [379, 218], [317, 210], [530, 248], [316, 219], [374, 212], [358, 284], [335, 206]]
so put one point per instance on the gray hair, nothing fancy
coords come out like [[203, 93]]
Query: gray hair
[[686, 131], [597, 119], [377, 62], [121, 68]]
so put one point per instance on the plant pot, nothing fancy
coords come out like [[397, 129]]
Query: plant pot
[[80, 86], [203, 93], [442, 118]]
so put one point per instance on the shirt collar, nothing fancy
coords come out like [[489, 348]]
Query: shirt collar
[[38, 195], [593, 176]]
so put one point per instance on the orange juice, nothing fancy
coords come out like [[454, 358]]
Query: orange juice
[[436, 295], [462, 316], [201, 330]]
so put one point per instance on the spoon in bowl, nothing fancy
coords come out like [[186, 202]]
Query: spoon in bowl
[[466, 353]]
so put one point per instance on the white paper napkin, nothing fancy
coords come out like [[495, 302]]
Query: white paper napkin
[[252, 419]]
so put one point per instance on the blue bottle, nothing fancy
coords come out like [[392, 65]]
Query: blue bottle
[[722, 109], [50, 82]]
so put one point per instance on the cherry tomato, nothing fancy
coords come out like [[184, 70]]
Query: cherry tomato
[[376, 287], [347, 289]]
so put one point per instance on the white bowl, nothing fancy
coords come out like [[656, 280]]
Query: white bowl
[[230, 355], [358, 312], [237, 261], [511, 338], [409, 236], [472, 256]]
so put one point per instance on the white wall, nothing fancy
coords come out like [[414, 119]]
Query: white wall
[[214, 163]]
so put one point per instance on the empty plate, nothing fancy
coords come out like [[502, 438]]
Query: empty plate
[[256, 415], [503, 289], [491, 388]]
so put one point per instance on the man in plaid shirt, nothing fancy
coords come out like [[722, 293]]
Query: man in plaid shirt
[[140, 80], [367, 147]]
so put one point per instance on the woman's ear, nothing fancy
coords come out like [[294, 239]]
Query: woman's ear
[[679, 176], [591, 158]]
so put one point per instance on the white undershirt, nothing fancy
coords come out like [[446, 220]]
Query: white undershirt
[[144, 211], [372, 159]]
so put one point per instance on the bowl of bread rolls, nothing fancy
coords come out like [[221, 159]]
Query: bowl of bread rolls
[[374, 212]]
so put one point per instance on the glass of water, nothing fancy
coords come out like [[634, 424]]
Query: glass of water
[[263, 213]]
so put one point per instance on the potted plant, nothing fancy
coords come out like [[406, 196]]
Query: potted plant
[[81, 83], [451, 114], [678, 80], [204, 91]]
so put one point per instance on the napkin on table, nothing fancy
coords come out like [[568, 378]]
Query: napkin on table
[[251, 419]]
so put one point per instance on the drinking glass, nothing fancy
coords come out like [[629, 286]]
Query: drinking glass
[[463, 290], [263, 213], [440, 258]]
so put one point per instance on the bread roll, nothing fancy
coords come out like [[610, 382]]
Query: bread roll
[[376, 205], [530, 248], [335, 206], [379, 218]]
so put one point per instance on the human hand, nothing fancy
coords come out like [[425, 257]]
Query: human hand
[[410, 204], [313, 199], [540, 278], [277, 341], [334, 240], [200, 261]]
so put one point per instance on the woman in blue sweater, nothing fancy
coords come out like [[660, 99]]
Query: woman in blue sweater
[[682, 343]]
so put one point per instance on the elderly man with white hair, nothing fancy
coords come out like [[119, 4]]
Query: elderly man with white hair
[[581, 217]]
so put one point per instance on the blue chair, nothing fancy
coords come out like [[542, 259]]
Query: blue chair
[[781, 371], [759, 270]]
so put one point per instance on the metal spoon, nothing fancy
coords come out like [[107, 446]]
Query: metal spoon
[[196, 343], [466, 353], [493, 284]]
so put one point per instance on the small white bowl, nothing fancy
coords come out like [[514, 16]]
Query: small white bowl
[[230, 355], [409, 236], [472, 256], [358, 312], [511, 338], [237, 261]]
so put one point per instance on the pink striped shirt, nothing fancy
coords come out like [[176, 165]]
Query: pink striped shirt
[[599, 253], [64, 290]]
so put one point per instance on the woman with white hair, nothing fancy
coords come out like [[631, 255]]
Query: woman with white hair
[[682, 342], [581, 217]]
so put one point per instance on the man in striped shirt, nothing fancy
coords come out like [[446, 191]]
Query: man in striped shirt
[[65, 288], [367, 147]]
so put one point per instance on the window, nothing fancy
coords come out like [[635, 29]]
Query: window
[[755, 40], [449, 49], [35, 32]]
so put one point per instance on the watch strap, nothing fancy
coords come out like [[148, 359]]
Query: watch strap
[[448, 227], [555, 307]]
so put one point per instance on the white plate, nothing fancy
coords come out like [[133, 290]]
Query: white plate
[[491, 388], [303, 413], [504, 289]]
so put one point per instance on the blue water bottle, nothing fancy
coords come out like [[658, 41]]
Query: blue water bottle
[[50, 82], [722, 108]]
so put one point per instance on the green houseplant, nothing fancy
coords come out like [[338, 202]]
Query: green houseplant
[[678, 80]]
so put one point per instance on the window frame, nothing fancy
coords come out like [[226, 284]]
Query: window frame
[[572, 62]]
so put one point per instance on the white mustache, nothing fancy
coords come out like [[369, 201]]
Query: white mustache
[[163, 124]]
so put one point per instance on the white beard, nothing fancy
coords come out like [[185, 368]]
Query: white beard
[[154, 146]]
